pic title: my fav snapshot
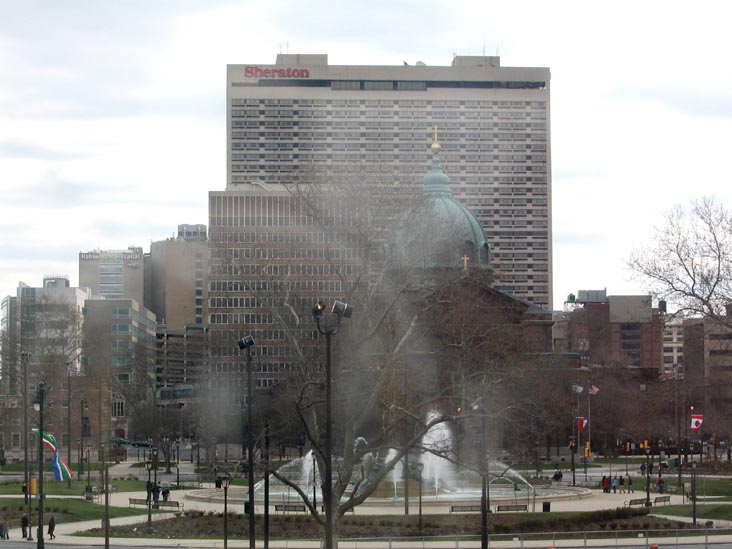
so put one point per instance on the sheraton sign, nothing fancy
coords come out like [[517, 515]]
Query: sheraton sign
[[258, 72]]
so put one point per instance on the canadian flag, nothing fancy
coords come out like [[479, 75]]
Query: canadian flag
[[696, 422], [581, 424]]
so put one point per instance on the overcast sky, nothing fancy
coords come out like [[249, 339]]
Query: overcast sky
[[113, 114]]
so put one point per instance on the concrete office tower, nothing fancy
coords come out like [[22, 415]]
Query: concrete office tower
[[9, 347], [113, 274], [303, 114], [176, 275], [46, 323], [119, 341]]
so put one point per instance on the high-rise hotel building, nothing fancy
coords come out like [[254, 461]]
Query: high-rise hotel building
[[493, 124]]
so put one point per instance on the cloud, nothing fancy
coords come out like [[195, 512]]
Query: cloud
[[31, 150]]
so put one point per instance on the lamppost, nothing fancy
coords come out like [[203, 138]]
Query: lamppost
[[693, 493], [245, 344], [315, 493], [83, 428], [225, 481], [149, 466], [341, 310], [648, 477], [420, 467], [88, 471], [38, 405], [266, 486], [68, 420], [155, 468], [24, 356], [484, 486], [105, 487]]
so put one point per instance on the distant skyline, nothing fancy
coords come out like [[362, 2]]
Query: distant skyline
[[113, 114]]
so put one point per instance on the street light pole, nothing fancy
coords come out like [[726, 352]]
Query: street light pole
[[245, 344], [484, 478], [88, 470], [105, 487], [648, 477], [82, 405], [420, 467], [341, 310], [40, 398], [266, 486], [225, 480], [24, 356], [148, 466], [68, 420], [693, 492]]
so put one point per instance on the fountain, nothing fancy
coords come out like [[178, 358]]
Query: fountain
[[443, 482]]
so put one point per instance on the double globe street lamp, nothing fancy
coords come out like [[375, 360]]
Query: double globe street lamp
[[340, 310], [225, 480], [245, 344]]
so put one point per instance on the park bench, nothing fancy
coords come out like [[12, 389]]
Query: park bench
[[177, 505], [661, 499], [637, 501], [512, 507], [285, 508], [464, 508], [138, 501]]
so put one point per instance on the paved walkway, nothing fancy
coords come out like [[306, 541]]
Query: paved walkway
[[194, 499]]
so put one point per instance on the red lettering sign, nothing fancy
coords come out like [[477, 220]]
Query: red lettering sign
[[258, 72]]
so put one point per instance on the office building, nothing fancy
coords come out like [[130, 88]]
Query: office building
[[302, 115], [623, 331], [176, 276], [113, 274], [119, 340]]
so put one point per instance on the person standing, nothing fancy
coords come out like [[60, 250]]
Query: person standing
[[629, 482], [621, 484], [52, 527], [24, 524], [615, 484]]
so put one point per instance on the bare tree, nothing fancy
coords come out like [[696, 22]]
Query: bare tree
[[689, 260]]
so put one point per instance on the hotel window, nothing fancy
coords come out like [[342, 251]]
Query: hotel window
[[378, 85]]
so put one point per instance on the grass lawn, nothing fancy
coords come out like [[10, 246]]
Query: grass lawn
[[705, 511], [77, 487], [65, 510]]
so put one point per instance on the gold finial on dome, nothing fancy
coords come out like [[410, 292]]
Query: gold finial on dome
[[435, 145]]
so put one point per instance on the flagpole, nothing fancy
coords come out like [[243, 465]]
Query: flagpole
[[589, 417]]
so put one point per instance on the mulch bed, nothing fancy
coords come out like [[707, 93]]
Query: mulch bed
[[211, 525]]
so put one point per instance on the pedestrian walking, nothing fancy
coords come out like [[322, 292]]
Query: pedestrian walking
[[6, 528], [149, 487], [621, 484], [615, 484], [24, 525], [629, 482], [52, 527]]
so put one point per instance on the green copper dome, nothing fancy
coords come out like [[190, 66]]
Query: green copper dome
[[440, 232]]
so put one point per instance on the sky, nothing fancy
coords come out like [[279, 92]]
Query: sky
[[113, 113]]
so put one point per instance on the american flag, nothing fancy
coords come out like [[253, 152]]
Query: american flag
[[594, 389]]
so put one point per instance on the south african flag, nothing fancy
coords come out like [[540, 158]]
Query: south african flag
[[61, 470]]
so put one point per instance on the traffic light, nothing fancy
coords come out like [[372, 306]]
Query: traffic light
[[588, 452], [627, 447], [646, 445]]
